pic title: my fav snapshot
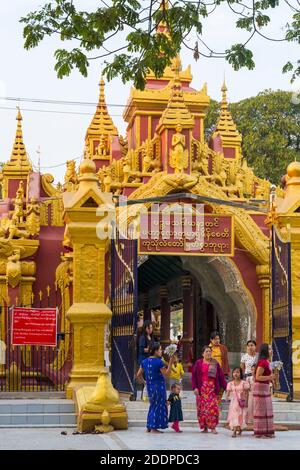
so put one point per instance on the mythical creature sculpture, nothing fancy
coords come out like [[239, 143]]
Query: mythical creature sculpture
[[126, 168], [124, 145], [248, 179], [179, 155], [13, 268], [102, 149], [71, 178], [64, 272], [18, 212], [33, 213], [262, 189], [14, 231], [200, 163], [235, 185], [219, 175], [107, 180]]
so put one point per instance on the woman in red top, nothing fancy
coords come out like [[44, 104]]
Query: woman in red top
[[262, 399], [207, 381]]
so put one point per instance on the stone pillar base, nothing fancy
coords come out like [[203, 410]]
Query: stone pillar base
[[100, 407]]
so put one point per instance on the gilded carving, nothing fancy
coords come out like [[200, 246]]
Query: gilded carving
[[179, 155], [87, 264], [18, 212], [89, 347], [15, 232], [248, 234], [219, 175], [33, 214], [71, 178], [13, 268]]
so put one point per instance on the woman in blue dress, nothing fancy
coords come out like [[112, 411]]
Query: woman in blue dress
[[154, 370]]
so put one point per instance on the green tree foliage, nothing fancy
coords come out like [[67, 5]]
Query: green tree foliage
[[270, 126], [124, 33]]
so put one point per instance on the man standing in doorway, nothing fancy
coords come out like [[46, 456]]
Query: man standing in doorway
[[219, 352]]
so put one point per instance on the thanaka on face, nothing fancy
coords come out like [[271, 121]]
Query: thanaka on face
[[207, 354], [216, 341]]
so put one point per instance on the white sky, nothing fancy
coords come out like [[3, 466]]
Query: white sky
[[61, 136]]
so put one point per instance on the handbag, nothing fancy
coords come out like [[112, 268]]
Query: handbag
[[241, 401], [145, 396]]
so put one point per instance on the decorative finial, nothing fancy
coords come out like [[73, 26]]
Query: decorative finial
[[19, 162], [19, 115], [39, 158], [176, 112], [176, 67], [162, 26], [224, 93], [226, 126], [102, 123], [164, 5]]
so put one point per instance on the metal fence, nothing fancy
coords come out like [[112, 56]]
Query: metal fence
[[34, 368]]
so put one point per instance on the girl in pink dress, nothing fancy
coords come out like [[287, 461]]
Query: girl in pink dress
[[237, 391]]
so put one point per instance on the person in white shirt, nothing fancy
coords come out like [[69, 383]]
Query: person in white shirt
[[249, 358]]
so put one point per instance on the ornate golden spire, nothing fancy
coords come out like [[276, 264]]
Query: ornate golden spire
[[226, 126], [19, 162], [102, 123], [176, 112], [162, 26]]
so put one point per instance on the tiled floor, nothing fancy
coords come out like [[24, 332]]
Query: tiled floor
[[137, 438]]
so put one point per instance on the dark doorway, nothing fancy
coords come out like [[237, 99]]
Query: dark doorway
[[205, 320]]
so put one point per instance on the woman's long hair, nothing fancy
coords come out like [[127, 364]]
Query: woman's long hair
[[146, 324], [155, 347], [264, 352]]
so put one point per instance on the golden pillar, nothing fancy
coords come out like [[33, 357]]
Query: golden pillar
[[264, 281], [97, 401], [286, 216], [295, 260]]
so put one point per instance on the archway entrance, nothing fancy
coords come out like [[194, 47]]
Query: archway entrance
[[202, 294]]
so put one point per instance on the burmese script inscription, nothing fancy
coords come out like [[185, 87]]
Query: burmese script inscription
[[196, 234]]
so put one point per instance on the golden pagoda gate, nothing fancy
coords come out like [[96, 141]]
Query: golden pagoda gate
[[124, 299], [282, 311]]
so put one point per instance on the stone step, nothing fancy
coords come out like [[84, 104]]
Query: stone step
[[32, 395], [36, 406], [34, 426], [36, 418], [37, 412]]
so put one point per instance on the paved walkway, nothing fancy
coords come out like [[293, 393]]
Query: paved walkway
[[137, 438]]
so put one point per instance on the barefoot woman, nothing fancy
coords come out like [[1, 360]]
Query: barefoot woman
[[262, 399], [154, 370], [207, 381]]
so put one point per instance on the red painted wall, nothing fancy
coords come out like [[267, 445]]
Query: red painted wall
[[13, 186], [47, 259], [144, 129]]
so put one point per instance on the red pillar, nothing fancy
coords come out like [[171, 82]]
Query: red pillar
[[165, 315], [188, 316]]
